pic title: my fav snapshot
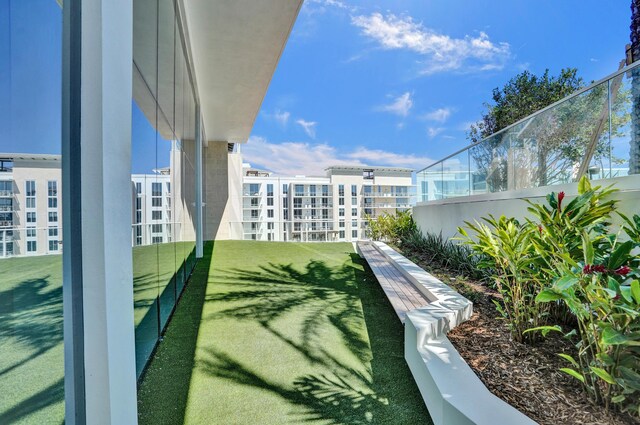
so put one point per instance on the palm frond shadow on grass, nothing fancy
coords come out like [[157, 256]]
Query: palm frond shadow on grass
[[322, 295], [326, 397]]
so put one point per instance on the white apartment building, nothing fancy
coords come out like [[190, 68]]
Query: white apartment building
[[31, 206], [332, 208]]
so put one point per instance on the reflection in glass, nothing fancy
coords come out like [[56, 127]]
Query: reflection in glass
[[163, 175], [31, 335]]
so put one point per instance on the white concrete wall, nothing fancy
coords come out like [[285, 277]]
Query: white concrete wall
[[446, 215]]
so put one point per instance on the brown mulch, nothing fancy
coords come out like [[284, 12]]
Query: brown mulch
[[526, 377]]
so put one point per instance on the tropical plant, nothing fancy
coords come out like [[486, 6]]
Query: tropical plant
[[504, 244], [391, 228], [438, 251], [595, 275]]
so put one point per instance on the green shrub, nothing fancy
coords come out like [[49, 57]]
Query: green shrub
[[506, 249], [391, 228], [567, 256]]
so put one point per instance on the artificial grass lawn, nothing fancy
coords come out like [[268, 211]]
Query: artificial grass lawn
[[276, 333], [31, 348]]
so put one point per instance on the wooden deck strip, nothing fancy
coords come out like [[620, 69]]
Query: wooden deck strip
[[402, 294]]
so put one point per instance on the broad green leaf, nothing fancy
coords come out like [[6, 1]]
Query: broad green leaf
[[619, 256], [618, 399], [584, 185], [626, 293], [587, 246], [573, 373], [603, 374], [613, 284], [635, 291], [631, 377], [547, 295], [544, 329], [565, 282], [569, 359]]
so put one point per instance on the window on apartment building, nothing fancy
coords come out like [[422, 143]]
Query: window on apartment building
[[53, 203], [270, 189], [341, 190], [30, 188], [53, 246], [325, 190], [156, 202], [138, 203], [32, 246], [138, 216], [341, 224], [354, 234], [138, 187], [270, 226], [314, 213], [31, 202], [312, 190], [53, 232], [367, 190], [341, 234], [367, 174], [313, 202], [156, 228], [297, 227], [269, 236], [354, 223], [285, 215], [341, 212], [156, 215], [285, 189], [156, 189], [354, 190], [325, 214], [254, 213], [31, 232], [168, 187], [270, 213], [325, 202], [156, 239], [297, 213], [254, 189], [52, 188], [368, 211], [354, 212], [255, 202], [354, 201], [31, 217], [53, 217], [340, 201], [299, 190], [314, 225], [297, 202]]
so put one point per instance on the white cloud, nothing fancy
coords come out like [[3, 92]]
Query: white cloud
[[441, 52], [434, 131], [439, 115], [282, 117], [311, 159], [309, 127], [400, 106]]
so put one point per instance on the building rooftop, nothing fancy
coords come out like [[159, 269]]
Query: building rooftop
[[366, 167], [29, 157]]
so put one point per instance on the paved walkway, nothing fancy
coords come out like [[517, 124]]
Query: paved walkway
[[402, 294]]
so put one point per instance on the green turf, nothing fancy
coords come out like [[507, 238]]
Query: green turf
[[277, 333], [31, 348]]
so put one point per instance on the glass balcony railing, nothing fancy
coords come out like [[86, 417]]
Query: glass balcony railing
[[594, 132]]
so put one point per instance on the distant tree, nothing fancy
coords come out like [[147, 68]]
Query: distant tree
[[521, 96]]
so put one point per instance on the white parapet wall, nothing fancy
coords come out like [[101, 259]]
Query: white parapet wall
[[451, 391], [444, 216]]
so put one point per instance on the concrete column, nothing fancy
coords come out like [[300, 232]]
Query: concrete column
[[99, 328]]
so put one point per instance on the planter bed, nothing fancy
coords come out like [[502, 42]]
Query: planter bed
[[524, 376]]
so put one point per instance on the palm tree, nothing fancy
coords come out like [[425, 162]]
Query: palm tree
[[634, 148]]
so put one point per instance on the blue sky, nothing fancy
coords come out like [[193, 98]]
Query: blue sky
[[398, 82]]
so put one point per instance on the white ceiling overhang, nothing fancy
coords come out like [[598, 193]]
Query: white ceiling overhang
[[235, 48]]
